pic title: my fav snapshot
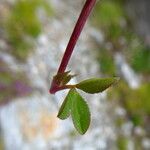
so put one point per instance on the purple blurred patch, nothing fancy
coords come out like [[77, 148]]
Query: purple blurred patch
[[22, 88]]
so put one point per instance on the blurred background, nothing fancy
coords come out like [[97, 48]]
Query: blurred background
[[114, 42]]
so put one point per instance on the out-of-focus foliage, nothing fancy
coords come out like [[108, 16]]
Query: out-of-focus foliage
[[135, 101], [141, 60], [122, 143], [138, 100], [137, 106], [138, 54], [107, 13], [106, 62], [1, 143], [22, 25], [12, 84], [110, 17]]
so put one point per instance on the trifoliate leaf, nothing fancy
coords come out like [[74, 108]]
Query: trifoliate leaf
[[96, 85], [80, 113], [65, 108]]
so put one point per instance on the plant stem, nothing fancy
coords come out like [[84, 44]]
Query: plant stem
[[76, 33], [87, 8]]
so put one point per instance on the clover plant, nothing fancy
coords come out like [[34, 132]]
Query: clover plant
[[74, 104]]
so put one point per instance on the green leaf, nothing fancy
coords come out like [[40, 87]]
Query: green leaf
[[65, 109], [80, 113], [96, 85]]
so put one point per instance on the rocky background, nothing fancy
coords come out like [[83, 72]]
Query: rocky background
[[114, 42]]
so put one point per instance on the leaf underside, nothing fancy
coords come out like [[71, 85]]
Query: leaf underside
[[96, 85]]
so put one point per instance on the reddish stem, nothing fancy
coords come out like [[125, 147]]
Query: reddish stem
[[89, 4], [76, 33]]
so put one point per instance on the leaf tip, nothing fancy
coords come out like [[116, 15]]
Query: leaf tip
[[116, 80], [60, 117]]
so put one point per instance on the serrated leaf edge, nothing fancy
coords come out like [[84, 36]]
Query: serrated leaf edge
[[82, 133], [63, 106], [116, 79]]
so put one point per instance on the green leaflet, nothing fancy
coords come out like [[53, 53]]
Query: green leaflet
[[80, 113], [65, 109], [96, 85], [79, 110]]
